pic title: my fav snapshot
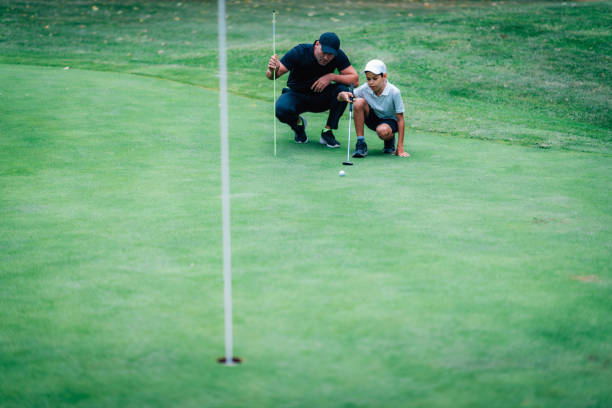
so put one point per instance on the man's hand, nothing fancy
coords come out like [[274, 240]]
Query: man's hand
[[321, 83], [273, 66]]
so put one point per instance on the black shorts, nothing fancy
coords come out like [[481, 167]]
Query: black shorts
[[373, 121]]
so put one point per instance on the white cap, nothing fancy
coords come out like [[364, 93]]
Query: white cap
[[376, 67]]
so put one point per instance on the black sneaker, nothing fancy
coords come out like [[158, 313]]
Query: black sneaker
[[389, 147], [361, 149], [300, 133], [328, 139]]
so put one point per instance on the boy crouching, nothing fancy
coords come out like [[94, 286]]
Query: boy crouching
[[378, 104]]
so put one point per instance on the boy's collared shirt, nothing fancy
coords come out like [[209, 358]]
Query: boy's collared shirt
[[387, 105]]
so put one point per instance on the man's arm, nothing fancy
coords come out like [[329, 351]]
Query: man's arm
[[275, 65], [347, 77], [399, 151]]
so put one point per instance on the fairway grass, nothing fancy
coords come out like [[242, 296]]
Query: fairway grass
[[473, 274], [517, 72], [476, 273]]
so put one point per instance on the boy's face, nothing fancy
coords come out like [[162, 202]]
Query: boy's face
[[376, 82]]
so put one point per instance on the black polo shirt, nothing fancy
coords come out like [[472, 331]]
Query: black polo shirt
[[304, 69]]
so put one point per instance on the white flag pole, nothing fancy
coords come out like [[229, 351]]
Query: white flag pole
[[225, 188]]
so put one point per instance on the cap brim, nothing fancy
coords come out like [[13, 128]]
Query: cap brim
[[329, 50]]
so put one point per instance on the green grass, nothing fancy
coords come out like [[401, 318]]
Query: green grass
[[526, 73], [473, 274]]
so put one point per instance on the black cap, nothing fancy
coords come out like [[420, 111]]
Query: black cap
[[330, 43]]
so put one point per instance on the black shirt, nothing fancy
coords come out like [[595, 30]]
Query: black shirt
[[304, 69]]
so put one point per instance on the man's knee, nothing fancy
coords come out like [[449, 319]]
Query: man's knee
[[284, 111], [331, 95], [340, 88]]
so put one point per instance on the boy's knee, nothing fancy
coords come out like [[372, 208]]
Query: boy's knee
[[384, 132], [359, 103]]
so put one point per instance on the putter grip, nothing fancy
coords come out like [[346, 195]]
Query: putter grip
[[351, 104]]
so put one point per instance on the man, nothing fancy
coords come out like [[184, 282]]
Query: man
[[313, 85]]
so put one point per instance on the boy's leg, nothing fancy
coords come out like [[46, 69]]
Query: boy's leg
[[386, 131], [361, 111]]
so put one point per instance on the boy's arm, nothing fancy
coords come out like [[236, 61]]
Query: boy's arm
[[345, 97], [400, 142]]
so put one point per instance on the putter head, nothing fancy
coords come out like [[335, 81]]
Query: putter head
[[347, 163]]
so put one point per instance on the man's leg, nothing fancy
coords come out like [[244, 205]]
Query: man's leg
[[336, 108], [291, 104], [288, 108], [328, 100]]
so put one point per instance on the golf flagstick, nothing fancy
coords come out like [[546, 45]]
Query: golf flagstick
[[348, 161], [274, 74], [229, 359]]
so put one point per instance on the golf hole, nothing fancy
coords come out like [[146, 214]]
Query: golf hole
[[235, 360]]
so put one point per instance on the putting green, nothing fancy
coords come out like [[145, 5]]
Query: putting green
[[471, 274]]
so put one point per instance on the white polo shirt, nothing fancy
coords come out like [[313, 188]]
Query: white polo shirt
[[387, 104]]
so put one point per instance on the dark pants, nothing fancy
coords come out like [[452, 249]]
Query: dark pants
[[291, 104]]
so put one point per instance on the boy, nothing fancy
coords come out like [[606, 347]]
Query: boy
[[378, 105]]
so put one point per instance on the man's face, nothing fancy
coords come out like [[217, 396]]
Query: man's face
[[323, 58]]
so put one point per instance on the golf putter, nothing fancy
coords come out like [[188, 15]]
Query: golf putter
[[348, 161]]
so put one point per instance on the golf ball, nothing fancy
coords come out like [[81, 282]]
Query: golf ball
[[341, 173]]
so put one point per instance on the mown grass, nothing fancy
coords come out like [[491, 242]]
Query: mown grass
[[473, 274], [527, 73]]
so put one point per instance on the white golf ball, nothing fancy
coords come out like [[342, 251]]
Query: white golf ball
[[341, 173]]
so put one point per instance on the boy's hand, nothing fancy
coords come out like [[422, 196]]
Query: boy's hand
[[400, 152], [345, 97]]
